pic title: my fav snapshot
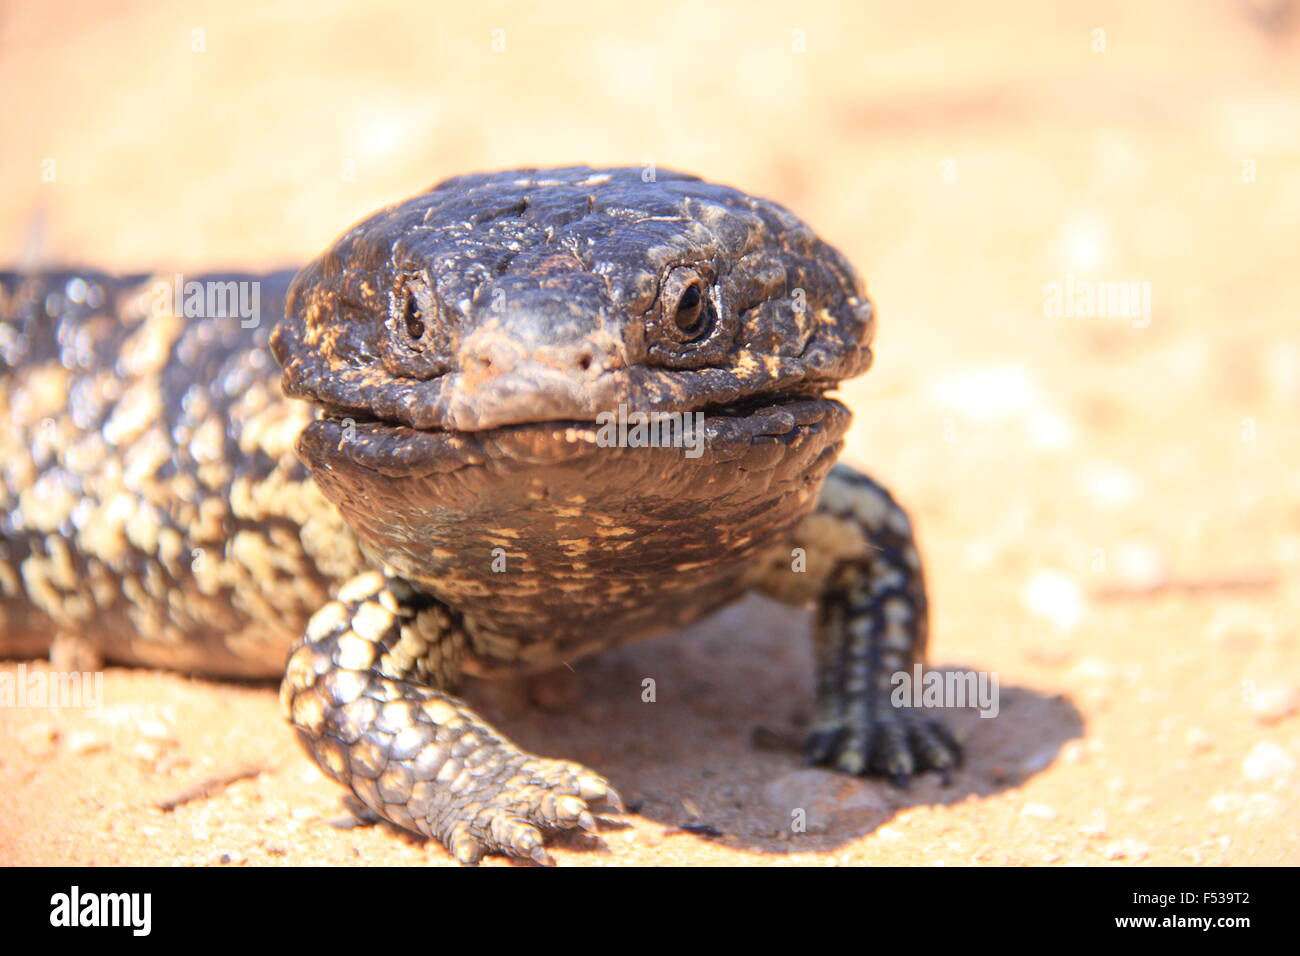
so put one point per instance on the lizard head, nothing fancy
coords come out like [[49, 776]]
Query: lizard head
[[462, 346], [554, 295]]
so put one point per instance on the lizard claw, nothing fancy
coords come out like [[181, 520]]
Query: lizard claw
[[542, 795], [898, 743]]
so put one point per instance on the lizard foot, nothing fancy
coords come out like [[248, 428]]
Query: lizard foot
[[541, 795], [896, 742], [362, 690]]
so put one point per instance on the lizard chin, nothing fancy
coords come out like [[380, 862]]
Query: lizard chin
[[555, 498]]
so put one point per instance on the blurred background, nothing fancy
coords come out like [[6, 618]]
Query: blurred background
[[1108, 496]]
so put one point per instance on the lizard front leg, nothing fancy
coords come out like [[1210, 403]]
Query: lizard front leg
[[860, 563], [365, 691]]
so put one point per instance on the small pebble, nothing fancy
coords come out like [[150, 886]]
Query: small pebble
[[1097, 827], [1056, 597], [1038, 811], [154, 730], [1139, 804], [1093, 668], [1126, 850], [39, 739], [146, 751], [1268, 762], [1273, 702], [83, 742], [1258, 807], [1139, 565], [826, 798]]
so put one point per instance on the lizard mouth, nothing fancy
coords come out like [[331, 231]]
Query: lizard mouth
[[717, 432], [741, 408]]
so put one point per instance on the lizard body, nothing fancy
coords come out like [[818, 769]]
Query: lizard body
[[450, 497]]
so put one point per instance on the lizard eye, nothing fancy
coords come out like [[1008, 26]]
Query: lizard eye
[[687, 327], [414, 319], [418, 343], [686, 311], [690, 317]]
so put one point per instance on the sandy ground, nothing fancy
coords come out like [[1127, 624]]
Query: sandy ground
[[1109, 505]]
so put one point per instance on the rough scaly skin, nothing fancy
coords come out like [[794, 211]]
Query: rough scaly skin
[[364, 690], [865, 573], [444, 501], [152, 503]]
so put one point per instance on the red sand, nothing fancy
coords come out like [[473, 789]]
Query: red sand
[[1058, 467]]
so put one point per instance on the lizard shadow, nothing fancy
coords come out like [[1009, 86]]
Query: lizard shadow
[[701, 733]]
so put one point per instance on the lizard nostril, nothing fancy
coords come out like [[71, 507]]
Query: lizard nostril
[[584, 361]]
